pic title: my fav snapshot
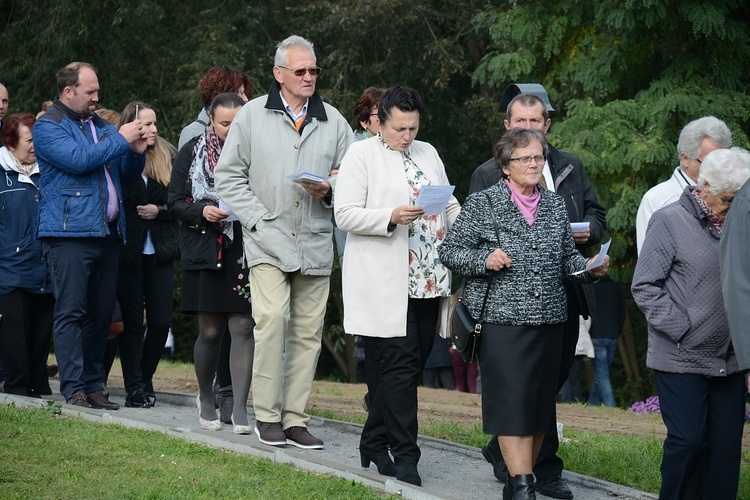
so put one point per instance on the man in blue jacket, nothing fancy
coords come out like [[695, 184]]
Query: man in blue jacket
[[82, 160]]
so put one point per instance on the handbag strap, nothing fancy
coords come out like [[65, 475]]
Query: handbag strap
[[492, 276]]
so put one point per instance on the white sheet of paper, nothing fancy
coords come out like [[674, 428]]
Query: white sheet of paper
[[434, 198], [599, 259], [578, 227], [307, 177], [223, 206]]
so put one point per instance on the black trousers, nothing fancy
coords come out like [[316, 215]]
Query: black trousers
[[148, 286], [705, 418], [25, 337], [392, 419], [84, 280]]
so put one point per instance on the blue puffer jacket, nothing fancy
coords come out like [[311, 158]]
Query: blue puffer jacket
[[21, 263], [72, 182]]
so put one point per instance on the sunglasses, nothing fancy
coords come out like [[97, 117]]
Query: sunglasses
[[301, 72]]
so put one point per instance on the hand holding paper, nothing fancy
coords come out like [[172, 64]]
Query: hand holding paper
[[599, 264]]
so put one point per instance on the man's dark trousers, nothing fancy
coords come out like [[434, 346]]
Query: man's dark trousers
[[84, 281]]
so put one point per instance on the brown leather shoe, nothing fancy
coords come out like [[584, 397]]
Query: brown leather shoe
[[78, 399], [98, 400]]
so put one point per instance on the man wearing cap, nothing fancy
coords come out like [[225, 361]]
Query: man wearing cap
[[528, 107]]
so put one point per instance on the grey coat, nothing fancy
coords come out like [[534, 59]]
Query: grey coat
[[735, 274], [677, 285], [530, 291]]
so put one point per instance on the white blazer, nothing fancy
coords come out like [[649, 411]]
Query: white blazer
[[370, 184]]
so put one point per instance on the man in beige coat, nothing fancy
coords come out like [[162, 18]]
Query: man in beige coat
[[287, 233]]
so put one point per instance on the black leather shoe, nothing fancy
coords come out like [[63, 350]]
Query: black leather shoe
[[408, 473], [554, 487], [148, 390], [137, 399], [492, 454], [98, 400], [382, 462]]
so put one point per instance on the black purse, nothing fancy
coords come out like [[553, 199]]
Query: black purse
[[465, 331]]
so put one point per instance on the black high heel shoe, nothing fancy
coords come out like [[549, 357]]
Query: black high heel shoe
[[408, 473], [382, 462]]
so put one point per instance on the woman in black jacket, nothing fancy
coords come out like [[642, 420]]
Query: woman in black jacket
[[146, 276], [214, 283]]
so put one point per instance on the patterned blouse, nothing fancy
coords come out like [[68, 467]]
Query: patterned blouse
[[428, 277]]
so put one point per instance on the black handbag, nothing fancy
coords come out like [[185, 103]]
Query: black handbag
[[465, 331]]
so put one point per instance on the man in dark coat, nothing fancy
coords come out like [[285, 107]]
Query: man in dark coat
[[563, 174]]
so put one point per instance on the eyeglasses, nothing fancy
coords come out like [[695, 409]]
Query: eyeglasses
[[726, 201], [526, 160], [700, 162], [301, 72]]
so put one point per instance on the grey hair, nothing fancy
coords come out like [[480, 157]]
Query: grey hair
[[725, 170], [294, 41], [697, 130]]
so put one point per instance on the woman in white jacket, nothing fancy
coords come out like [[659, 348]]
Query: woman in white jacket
[[393, 279]]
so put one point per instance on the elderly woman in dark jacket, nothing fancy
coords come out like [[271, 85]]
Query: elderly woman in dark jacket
[[524, 262], [677, 285]]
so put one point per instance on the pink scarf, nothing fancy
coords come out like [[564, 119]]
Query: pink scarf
[[527, 204]]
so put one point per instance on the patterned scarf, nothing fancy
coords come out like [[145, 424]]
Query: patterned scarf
[[205, 157], [716, 220]]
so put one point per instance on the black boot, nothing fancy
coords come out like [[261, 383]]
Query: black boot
[[408, 473], [523, 487]]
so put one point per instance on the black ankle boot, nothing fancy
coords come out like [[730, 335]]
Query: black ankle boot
[[523, 487], [408, 473], [382, 462]]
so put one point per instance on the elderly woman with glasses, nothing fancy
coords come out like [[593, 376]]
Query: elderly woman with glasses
[[677, 285], [514, 245]]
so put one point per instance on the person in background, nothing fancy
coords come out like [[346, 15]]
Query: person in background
[[697, 139], [465, 374], [26, 301], [677, 286], [214, 282], [366, 114], [604, 335], [571, 391], [146, 279], [367, 125], [513, 242], [82, 160], [217, 80], [565, 175], [3, 110], [287, 230], [3, 107], [392, 278], [438, 369]]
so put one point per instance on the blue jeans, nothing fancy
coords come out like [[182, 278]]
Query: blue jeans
[[604, 353]]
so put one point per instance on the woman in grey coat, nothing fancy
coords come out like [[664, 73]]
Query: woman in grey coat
[[524, 263], [677, 285]]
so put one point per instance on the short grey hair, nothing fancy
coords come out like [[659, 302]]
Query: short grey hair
[[725, 170], [294, 41], [697, 130]]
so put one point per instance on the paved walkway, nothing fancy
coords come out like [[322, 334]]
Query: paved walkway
[[448, 470]]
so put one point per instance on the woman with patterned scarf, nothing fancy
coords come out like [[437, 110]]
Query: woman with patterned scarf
[[214, 283]]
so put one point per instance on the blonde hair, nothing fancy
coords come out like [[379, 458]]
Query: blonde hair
[[159, 161], [159, 156]]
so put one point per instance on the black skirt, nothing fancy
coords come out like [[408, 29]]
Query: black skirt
[[215, 290], [519, 366]]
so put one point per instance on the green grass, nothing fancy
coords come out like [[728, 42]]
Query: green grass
[[44, 455]]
